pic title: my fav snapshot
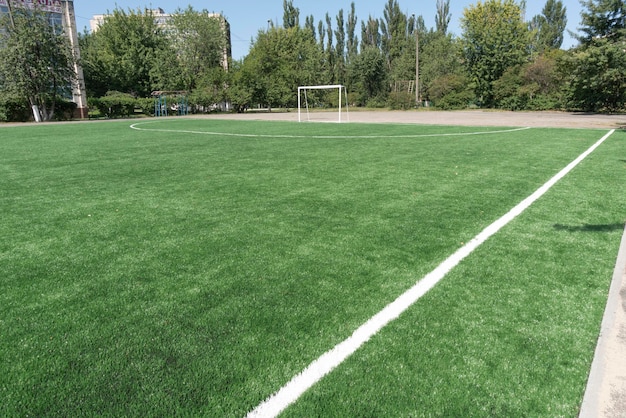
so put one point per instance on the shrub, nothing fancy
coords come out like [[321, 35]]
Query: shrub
[[64, 110], [145, 106], [455, 100], [377, 102], [13, 109], [451, 92], [401, 100], [114, 105]]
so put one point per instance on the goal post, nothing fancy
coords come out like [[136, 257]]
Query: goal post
[[342, 100]]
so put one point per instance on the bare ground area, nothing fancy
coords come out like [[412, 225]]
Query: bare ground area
[[547, 119], [461, 117]]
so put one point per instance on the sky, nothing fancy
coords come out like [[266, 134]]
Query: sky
[[247, 17]]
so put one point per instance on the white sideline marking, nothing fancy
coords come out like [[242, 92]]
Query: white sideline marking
[[137, 127], [289, 393]]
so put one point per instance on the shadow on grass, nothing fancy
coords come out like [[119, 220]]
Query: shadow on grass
[[590, 227]]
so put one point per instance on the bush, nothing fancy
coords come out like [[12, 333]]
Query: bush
[[455, 100], [13, 109], [377, 102], [451, 92], [401, 100], [205, 100], [64, 110], [114, 105], [544, 102], [145, 106]]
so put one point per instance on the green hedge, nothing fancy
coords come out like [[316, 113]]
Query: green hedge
[[121, 105], [114, 105]]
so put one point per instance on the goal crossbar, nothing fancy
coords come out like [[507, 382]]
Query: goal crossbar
[[339, 87]]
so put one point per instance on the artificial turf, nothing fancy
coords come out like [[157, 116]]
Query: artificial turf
[[175, 272]]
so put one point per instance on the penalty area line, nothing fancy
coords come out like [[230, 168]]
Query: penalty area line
[[328, 361]]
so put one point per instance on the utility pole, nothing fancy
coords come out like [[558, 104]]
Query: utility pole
[[417, 64], [11, 14]]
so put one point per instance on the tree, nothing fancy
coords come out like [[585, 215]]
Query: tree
[[403, 65], [353, 43], [603, 19], [239, 92], [123, 51], [279, 61], [309, 23], [322, 35], [291, 15], [549, 27], [369, 75], [36, 60], [495, 38], [597, 77], [370, 34], [96, 79], [596, 70], [394, 33], [441, 57], [442, 18], [340, 49], [198, 41]]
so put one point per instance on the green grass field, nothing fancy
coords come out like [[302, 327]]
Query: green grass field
[[188, 270]]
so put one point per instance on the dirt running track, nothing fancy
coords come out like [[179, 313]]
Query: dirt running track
[[464, 117], [430, 117]]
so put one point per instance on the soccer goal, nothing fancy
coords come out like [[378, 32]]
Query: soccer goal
[[319, 99]]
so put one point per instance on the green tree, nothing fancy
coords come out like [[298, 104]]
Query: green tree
[[442, 18], [441, 58], [36, 61], [548, 28], [596, 71], [279, 61], [596, 76], [198, 41], [340, 49], [291, 15], [370, 34], [96, 80], [239, 93], [495, 38], [353, 42], [394, 33], [322, 35], [309, 23], [122, 53], [603, 19], [369, 75], [403, 66], [330, 54]]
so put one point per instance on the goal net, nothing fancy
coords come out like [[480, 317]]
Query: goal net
[[323, 103]]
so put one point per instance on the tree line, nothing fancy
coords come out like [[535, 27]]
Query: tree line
[[500, 60]]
